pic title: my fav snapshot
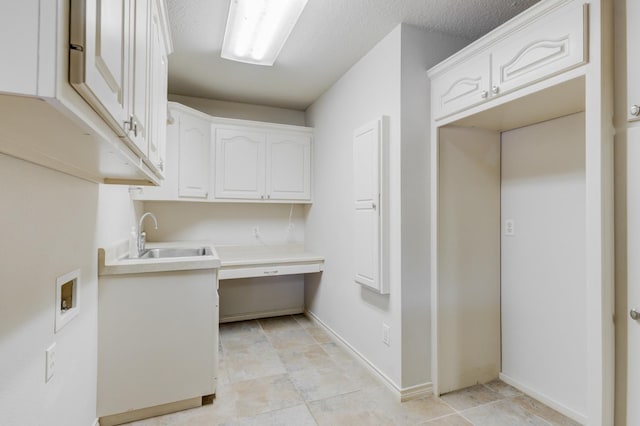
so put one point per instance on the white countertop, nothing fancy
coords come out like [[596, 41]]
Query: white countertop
[[267, 260], [265, 255], [113, 260]]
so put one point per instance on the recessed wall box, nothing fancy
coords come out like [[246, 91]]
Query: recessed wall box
[[66, 298]]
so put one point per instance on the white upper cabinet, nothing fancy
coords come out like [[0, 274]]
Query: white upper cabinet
[[526, 51], [21, 23], [541, 49], [159, 65], [82, 70], [463, 87], [240, 164], [288, 167], [116, 65], [100, 36], [633, 59], [195, 142], [217, 159], [140, 76]]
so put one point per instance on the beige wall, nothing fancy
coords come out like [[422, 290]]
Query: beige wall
[[241, 111], [51, 224]]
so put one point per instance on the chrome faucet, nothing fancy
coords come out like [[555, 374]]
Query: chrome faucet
[[142, 236]]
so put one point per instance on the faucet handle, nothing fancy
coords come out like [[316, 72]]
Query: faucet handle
[[142, 240]]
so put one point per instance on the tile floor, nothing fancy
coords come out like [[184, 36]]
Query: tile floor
[[288, 371]]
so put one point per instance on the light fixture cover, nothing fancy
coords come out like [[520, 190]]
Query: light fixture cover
[[257, 29]]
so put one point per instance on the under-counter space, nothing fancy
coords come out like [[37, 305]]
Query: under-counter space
[[267, 260]]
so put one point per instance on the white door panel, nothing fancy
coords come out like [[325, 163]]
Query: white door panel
[[633, 279], [367, 146]]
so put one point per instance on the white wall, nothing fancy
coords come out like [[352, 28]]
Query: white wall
[[370, 89], [51, 224], [421, 50], [544, 336], [373, 87], [232, 224], [468, 257], [242, 111]]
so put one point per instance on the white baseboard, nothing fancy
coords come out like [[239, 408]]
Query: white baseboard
[[580, 418], [415, 392], [403, 394], [261, 314]]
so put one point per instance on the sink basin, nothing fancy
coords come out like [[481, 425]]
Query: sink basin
[[168, 252]]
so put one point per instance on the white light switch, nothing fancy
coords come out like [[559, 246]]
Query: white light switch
[[510, 227], [51, 362]]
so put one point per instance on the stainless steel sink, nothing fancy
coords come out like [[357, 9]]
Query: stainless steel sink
[[168, 252]]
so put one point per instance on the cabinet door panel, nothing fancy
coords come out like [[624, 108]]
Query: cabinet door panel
[[542, 49], [157, 96], [19, 47], [194, 157], [462, 87], [288, 167], [139, 75], [99, 72], [240, 164], [367, 145], [633, 59]]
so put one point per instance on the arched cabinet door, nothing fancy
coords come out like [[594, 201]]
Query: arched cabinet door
[[240, 164], [463, 87], [194, 157], [288, 167]]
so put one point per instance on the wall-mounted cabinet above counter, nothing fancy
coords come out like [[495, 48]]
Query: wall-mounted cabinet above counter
[[227, 160], [525, 52], [84, 91]]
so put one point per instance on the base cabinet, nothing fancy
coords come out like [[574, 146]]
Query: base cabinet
[[157, 339]]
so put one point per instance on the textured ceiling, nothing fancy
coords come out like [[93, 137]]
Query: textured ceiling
[[329, 38]]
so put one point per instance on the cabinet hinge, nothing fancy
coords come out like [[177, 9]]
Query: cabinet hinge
[[76, 47]]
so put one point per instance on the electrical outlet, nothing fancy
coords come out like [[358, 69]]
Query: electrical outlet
[[510, 227], [51, 362], [386, 331]]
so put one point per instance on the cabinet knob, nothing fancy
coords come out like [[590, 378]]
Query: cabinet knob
[[635, 315], [484, 94], [635, 110], [262, 197], [495, 90], [269, 196]]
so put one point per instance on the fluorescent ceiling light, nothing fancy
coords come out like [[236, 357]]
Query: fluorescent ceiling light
[[257, 29]]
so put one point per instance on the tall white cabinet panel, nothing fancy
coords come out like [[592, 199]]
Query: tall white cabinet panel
[[240, 164], [20, 24], [633, 281], [139, 60], [288, 167], [159, 65], [106, 52], [633, 59], [463, 87], [540, 49], [193, 180], [367, 146]]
